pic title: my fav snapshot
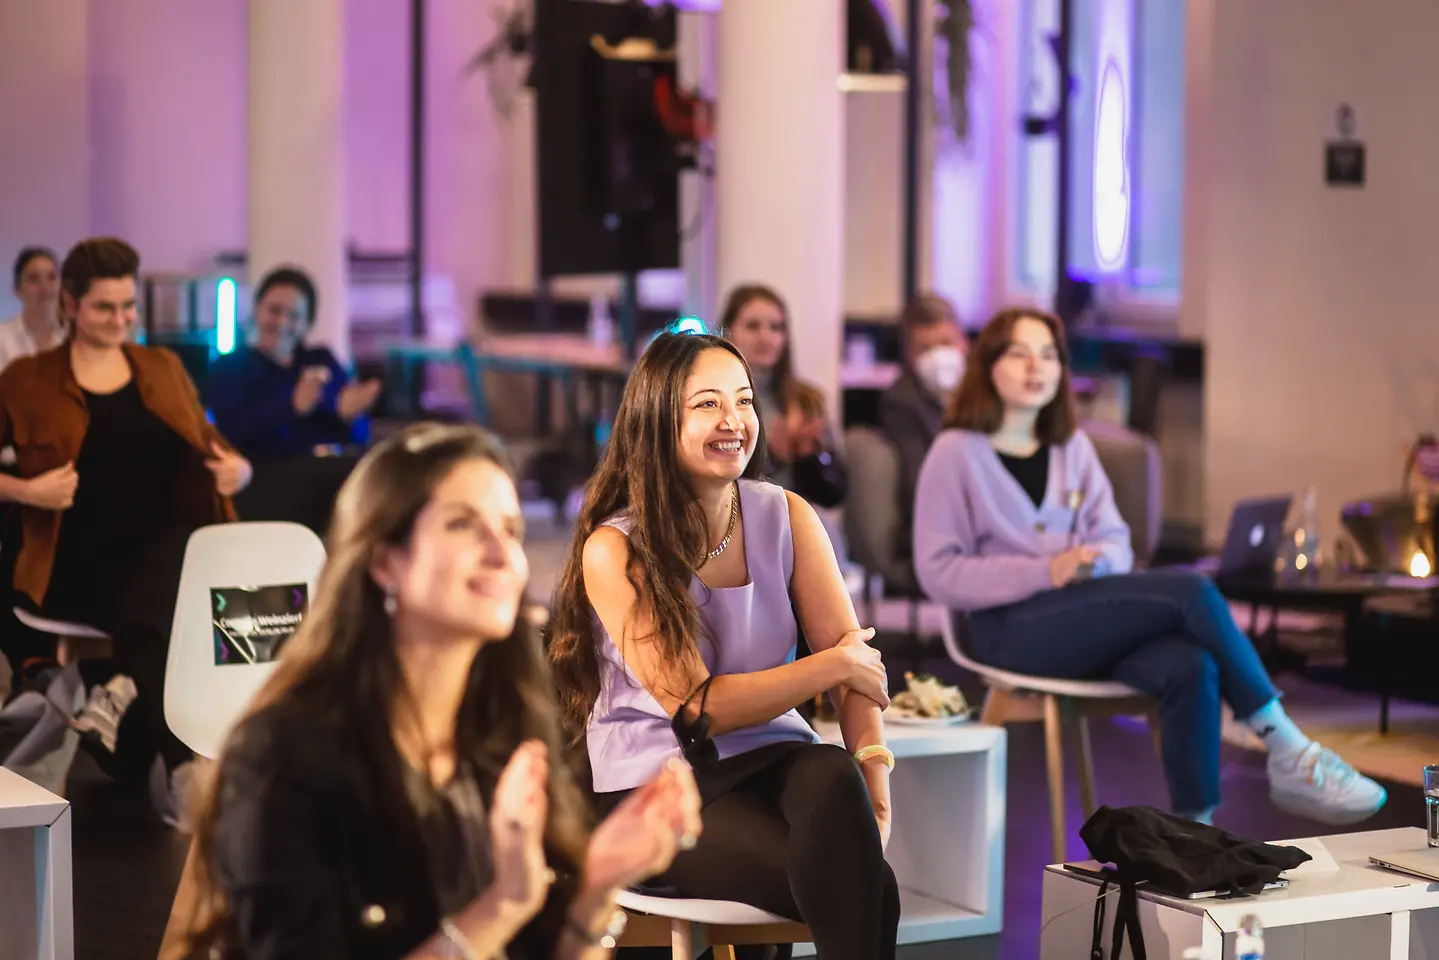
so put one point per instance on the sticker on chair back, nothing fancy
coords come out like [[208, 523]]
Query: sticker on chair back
[[251, 624]]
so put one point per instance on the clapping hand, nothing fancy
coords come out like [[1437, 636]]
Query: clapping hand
[[517, 831], [356, 398], [232, 471], [641, 837], [309, 388]]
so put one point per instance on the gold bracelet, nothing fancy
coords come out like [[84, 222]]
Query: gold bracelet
[[885, 754]]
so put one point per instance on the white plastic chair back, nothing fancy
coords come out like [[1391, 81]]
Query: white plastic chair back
[[203, 694]]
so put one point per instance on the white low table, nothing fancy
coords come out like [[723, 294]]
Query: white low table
[[1358, 911], [947, 841], [36, 910]]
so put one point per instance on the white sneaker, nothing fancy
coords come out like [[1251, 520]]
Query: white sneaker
[[1316, 784], [170, 794], [107, 705]]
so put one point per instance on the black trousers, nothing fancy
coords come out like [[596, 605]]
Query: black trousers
[[126, 586], [793, 833]]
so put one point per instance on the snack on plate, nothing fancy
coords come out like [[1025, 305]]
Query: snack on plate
[[927, 697]]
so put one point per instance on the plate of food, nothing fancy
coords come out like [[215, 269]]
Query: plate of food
[[927, 703]]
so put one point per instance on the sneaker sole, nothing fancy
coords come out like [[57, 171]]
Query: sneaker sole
[[1301, 805]]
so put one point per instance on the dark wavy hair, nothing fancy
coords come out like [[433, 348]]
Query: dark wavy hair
[[341, 664], [641, 476], [290, 276], [976, 405]]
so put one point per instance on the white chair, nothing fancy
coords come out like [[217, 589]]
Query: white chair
[[202, 698], [1019, 698], [688, 926]]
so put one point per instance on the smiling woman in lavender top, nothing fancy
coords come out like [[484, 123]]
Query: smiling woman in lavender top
[[1016, 525]]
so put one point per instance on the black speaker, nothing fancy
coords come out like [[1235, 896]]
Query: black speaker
[[608, 181]]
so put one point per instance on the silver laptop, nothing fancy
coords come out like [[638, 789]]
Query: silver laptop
[[1418, 863], [1252, 543]]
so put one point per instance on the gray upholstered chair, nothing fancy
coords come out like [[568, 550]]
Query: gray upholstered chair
[[1131, 460], [872, 521]]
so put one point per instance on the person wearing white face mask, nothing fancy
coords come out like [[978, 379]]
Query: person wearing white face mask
[[911, 412]]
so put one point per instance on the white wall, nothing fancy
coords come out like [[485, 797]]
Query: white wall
[[140, 107], [166, 82], [1317, 304], [44, 161]]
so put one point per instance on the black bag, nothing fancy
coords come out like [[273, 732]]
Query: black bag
[[1172, 855]]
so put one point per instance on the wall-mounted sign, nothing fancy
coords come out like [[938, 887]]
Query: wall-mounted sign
[[1344, 157]]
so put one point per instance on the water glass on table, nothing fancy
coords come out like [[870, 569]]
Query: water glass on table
[[1431, 803]]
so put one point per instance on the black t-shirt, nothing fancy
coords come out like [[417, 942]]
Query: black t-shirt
[[1032, 472], [136, 474]]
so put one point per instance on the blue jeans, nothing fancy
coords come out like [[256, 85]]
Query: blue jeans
[[1166, 633]]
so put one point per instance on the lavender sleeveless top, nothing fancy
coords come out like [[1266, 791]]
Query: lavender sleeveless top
[[751, 628]]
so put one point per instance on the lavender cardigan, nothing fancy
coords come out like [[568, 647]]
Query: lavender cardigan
[[979, 540]]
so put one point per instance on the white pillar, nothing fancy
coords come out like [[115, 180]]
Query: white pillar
[[697, 54], [297, 152], [780, 168]]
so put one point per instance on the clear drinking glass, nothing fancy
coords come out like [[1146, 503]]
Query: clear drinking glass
[[1431, 803]]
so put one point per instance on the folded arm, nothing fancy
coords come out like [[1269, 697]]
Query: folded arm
[[735, 700]]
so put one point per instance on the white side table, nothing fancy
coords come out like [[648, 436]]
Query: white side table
[[1356, 911], [36, 907], [947, 841]]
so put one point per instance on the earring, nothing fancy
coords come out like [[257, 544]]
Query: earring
[[391, 604]]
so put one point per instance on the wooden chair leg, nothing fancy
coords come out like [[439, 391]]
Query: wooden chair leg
[[1054, 760], [681, 940], [723, 951], [1155, 733], [1086, 770]]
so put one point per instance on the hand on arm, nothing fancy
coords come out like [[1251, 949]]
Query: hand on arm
[[735, 701], [830, 624]]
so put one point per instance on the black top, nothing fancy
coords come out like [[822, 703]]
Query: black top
[[1032, 472], [456, 833], [133, 468], [319, 847]]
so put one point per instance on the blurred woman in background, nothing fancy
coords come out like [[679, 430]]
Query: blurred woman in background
[[37, 327], [397, 788], [802, 454]]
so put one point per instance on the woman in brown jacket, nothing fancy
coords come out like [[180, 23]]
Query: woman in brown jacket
[[118, 464]]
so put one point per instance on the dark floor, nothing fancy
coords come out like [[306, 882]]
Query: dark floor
[[127, 865]]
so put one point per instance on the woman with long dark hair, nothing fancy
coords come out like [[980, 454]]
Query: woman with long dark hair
[[800, 452], [397, 787], [1019, 529], [674, 633]]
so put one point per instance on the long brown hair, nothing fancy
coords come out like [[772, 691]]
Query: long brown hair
[[641, 476], [976, 405], [792, 393], [341, 664]]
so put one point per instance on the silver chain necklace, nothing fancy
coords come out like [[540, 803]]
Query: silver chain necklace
[[733, 519]]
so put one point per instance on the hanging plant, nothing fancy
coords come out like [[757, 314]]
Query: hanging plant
[[954, 19]]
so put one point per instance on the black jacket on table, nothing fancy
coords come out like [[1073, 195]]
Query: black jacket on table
[[320, 852]]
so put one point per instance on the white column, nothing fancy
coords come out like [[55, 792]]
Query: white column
[[297, 152], [780, 168], [698, 31]]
